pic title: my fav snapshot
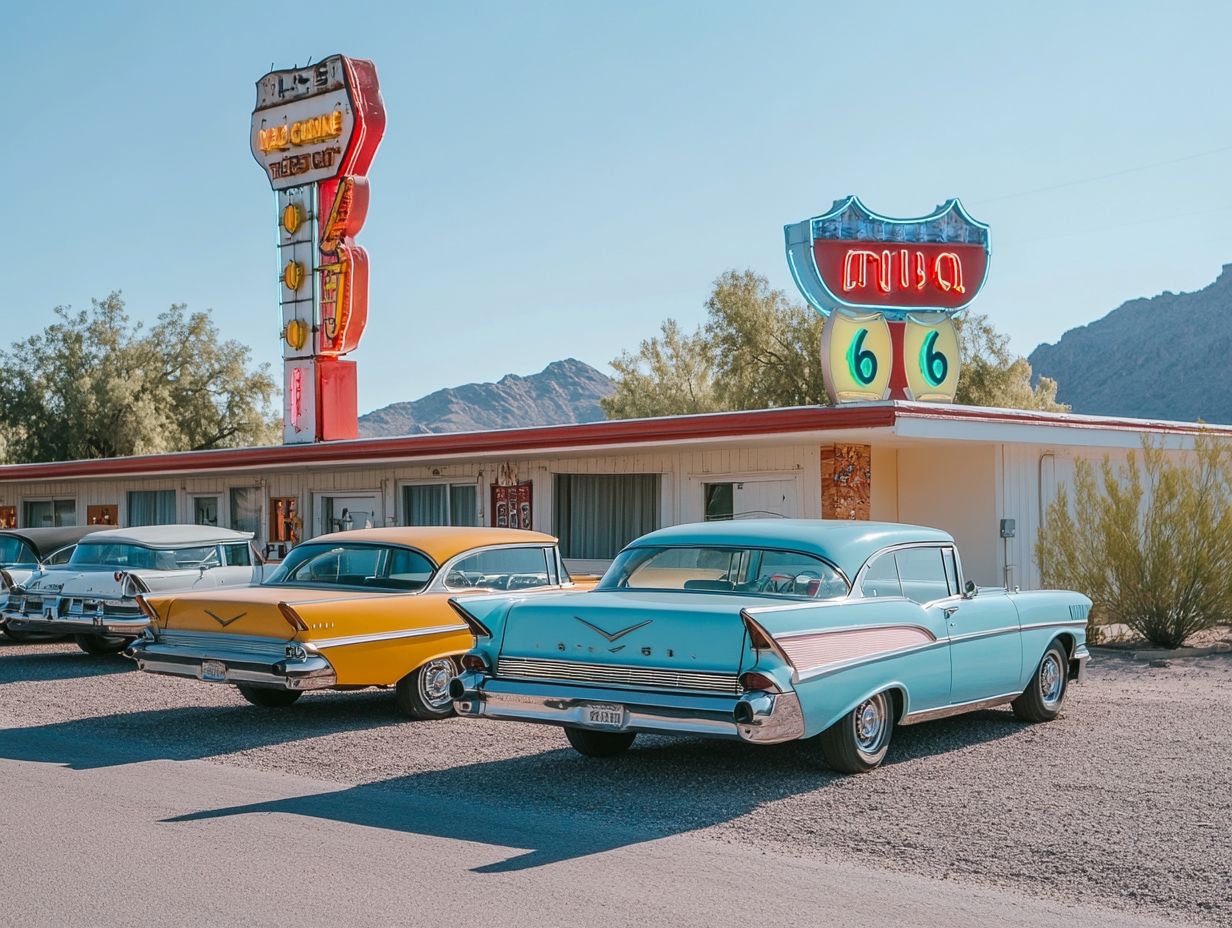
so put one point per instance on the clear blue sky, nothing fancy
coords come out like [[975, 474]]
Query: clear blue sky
[[557, 178]]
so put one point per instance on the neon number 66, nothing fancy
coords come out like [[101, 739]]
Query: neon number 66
[[863, 363], [934, 364]]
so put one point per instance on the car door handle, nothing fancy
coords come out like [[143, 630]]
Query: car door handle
[[949, 611]]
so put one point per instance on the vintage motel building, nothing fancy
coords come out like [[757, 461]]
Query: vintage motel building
[[893, 447], [599, 485]]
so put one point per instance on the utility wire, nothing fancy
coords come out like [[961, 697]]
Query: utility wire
[[1090, 180]]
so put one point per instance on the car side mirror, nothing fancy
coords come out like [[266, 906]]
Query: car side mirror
[[970, 589]]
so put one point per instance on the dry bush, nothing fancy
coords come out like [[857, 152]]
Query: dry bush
[[1149, 541]]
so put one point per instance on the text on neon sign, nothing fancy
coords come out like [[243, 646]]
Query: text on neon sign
[[902, 269], [305, 132]]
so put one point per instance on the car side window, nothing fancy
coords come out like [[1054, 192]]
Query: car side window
[[501, 569], [881, 578], [239, 555], [951, 570], [923, 574]]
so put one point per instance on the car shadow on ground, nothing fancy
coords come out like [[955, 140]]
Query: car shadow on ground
[[57, 664], [192, 733], [557, 805]]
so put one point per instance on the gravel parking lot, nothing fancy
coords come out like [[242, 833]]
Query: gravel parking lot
[[1125, 800]]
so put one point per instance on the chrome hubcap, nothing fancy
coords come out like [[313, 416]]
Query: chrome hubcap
[[434, 681], [870, 723], [1051, 680]]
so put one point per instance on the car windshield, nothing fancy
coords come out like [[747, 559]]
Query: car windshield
[[700, 569], [382, 567], [93, 554], [14, 551]]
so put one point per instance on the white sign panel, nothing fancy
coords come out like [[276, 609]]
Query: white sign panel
[[303, 123]]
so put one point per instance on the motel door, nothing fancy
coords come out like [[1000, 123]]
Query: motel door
[[758, 499], [343, 512]]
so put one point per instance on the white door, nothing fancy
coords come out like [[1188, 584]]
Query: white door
[[765, 499]]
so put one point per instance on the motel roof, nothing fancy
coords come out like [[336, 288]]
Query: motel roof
[[904, 422]]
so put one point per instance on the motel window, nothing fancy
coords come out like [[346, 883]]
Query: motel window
[[595, 515], [43, 513], [440, 504], [151, 507], [720, 501], [205, 510], [246, 509]]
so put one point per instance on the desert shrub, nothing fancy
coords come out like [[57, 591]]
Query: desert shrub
[[1150, 540]]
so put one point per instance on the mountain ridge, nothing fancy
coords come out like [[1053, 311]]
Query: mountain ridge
[[1160, 357], [564, 392]]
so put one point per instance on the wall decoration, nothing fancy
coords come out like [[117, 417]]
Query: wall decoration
[[847, 482], [511, 505], [8, 517], [104, 514]]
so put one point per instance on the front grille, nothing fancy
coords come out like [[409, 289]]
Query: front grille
[[525, 668]]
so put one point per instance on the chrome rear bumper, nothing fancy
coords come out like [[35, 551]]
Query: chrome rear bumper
[[120, 627], [760, 717], [311, 672]]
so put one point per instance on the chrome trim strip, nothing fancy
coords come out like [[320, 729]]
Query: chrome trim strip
[[838, 630], [346, 640], [619, 675], [985, 633], [1067, 623], [928, 715], [259, 645]]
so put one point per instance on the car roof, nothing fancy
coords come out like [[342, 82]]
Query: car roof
[[49, 539], [169, 536], [439, 542], [845, 543]]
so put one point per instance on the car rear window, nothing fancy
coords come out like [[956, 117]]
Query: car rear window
[[763, 571], [384, 567]]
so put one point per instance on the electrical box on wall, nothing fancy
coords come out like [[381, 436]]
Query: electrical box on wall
[[1007, 528]]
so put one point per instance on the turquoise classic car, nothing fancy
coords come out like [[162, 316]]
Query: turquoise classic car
[[772, 631]]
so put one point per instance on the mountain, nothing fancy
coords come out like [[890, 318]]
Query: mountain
[[563, 392], [1165, 357]]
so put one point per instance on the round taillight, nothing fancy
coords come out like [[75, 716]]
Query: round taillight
[[753, 681], [474, 662]]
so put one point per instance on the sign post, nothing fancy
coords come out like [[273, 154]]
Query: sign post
[[315, 131], [889, 289]]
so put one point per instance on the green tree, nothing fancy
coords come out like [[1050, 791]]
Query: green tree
[[992, 375], [1149, 541], [94, 385], [758, 348]]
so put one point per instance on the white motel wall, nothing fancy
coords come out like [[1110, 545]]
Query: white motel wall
[[963, 469]]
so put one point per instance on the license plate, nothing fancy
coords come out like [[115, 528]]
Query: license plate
[[606, 714], [74, 607], [214, 671]]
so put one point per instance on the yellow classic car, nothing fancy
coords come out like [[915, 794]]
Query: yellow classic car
[[349, 610]]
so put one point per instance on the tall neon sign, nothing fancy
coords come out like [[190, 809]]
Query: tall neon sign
[[888, 289], [315, 131]]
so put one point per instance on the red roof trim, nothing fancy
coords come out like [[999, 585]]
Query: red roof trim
[[709, 426], [589, 434]]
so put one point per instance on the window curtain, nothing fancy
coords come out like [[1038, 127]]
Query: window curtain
[[246, 509], [597, 515], [463, 504], [426, 505], [151, 507]]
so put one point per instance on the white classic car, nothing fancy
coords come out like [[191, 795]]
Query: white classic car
[[26, 551], [94, 596]]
